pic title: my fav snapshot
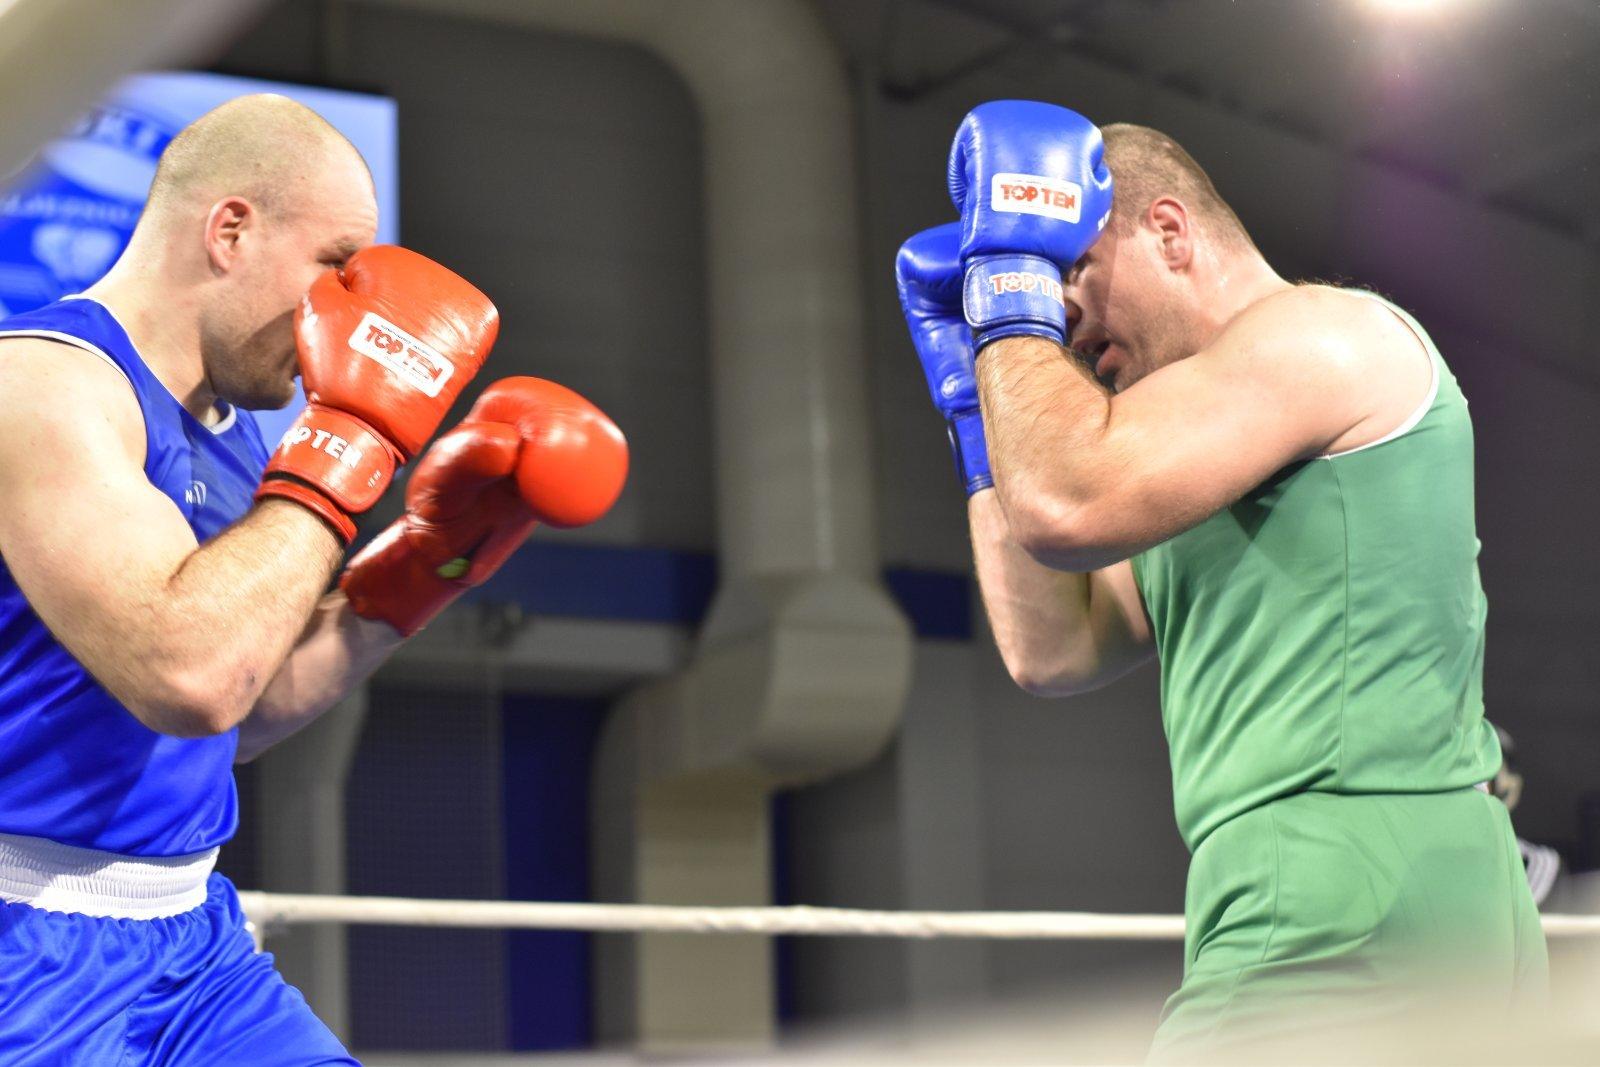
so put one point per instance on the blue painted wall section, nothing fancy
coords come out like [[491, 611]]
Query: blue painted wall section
[[663, 585], [547, 749]]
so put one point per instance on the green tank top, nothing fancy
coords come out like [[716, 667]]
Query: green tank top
[[1325, 632]]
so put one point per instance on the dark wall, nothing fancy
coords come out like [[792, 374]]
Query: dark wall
[[563, 178]]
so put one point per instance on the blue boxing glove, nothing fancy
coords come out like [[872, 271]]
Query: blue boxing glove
[[928, 274], [1034, 194]]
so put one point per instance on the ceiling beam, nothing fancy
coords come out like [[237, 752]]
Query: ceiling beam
[[1346, 142], [1511, 171]]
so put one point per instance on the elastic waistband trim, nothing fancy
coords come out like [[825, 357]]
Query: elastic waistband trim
[[84, 881]]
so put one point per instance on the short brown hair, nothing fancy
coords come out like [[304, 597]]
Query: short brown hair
[[1146, 164]]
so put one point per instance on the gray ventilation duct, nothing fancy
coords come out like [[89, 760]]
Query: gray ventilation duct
[[802, 667]]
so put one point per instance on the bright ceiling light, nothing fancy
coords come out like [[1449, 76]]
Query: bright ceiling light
[[1406, 7]]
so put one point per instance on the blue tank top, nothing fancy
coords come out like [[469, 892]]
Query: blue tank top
[[75, 766]]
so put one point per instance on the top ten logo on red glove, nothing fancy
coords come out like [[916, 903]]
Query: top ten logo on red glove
[[413, 361]]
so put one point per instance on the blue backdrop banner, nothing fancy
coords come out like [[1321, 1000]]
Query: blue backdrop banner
[[66, 217]]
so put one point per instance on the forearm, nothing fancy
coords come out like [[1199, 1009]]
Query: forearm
[[1039, 617], [1048, 425], [1059, 632], [210, 635], [338, 650]]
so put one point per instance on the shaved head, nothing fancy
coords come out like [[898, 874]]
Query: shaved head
[[264, 148], [249, 204]]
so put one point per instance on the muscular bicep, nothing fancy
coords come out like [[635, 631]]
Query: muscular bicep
[[88, 539], [1293, 376]]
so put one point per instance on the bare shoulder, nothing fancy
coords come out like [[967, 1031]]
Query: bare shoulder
[[1358, 314], [1339, 367], [1383, 364], [1364, 361], [59, 396], [1342, 329]]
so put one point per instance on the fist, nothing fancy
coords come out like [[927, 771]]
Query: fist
[[530, 451], [573, 460], [1034, 193], [386, 345], [392, 339], [928, 276]]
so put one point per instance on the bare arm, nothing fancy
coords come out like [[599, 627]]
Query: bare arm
[[1058, 632], [1087, 480], [1084, 480], [186, 637], [337, 651]]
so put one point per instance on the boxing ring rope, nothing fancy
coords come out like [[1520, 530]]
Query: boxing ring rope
[[268, 911]]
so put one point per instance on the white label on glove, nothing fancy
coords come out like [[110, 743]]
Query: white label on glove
[[1033, 194], [406, 357], [335, 446], [1026, 281]]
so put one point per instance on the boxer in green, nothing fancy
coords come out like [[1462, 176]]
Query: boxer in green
[[1269, 487]]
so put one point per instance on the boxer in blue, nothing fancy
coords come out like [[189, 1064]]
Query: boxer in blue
[[163, 597]]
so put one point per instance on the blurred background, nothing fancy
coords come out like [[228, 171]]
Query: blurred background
[[765, 677]]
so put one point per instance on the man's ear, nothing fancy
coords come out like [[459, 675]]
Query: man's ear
[[228, 223], [1169, 218]]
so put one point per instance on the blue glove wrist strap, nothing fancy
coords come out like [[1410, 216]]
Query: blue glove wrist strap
[[1007, 295], [971, 450]]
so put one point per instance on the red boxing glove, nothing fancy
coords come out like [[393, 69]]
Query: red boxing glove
[[386, 345], [530, 451]]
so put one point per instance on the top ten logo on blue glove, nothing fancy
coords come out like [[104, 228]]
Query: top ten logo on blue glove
[[1032, 194], [1033, 190]]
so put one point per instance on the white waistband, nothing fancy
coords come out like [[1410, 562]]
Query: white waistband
[[84, 881]]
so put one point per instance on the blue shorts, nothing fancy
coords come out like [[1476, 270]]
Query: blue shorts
[[189, 989]]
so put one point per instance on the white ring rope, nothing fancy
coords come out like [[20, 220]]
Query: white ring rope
[[269, 910]]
